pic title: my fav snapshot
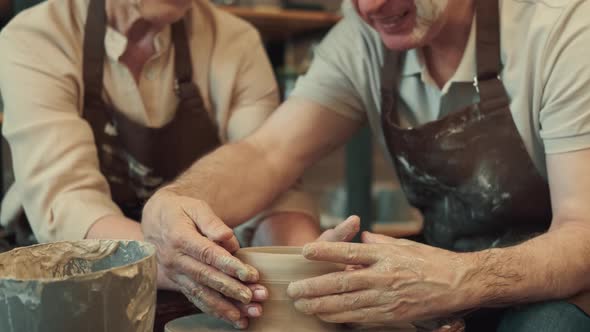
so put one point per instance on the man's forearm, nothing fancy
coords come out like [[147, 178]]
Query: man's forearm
[[554, 265], [237, 181]]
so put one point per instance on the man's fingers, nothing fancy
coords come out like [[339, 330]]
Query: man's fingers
[[349, 228], [259, 293], [211, 226], [207, 222], [232, 245], [209, 301], [380, 314], [333, 283], [206, 275], [362, 315], [253, 310], [372, 238], [164, 282], [344, 232], [341, 252], [340, 302], [210, 253], [369, 237]]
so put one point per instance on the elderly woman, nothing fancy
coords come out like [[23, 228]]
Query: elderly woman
[[106, 100]]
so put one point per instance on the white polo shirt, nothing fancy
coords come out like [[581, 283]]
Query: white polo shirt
[[546, 72]]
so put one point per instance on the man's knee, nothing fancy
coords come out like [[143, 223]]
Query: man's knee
[[558, 316]]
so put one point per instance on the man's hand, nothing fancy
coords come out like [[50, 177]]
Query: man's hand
[[343, 232], [296, 229], [401, 281], [194, 250]]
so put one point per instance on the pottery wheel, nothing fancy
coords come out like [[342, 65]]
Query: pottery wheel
[[206, 323]]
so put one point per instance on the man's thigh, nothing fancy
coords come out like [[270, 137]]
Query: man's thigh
[[556, 316]]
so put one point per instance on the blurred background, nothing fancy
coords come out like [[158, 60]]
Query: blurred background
[[356, 179]]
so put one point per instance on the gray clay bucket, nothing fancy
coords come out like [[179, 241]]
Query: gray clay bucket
[[90, 285]]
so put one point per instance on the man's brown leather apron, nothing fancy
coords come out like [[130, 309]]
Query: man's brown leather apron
[[469, 172], [135, 159]]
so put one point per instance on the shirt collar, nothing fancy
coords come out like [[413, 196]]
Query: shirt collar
[[116, 43], [467, 69], [412, 63]]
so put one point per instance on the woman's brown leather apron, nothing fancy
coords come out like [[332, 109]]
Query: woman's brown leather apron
[[469, 173], [135, 159]]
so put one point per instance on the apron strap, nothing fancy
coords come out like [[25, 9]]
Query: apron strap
[[392, 62], [489, 63], [183, 66], [94, 51]]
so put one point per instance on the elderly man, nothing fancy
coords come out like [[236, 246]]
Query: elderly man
[[483, 107]]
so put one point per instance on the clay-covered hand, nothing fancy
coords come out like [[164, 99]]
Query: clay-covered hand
[[343, 232], [402, 281], [194, 251]]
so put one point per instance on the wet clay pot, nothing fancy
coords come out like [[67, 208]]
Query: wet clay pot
[[90, 285], [279, 266]]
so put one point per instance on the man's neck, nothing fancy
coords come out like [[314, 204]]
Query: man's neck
[[443, 55]]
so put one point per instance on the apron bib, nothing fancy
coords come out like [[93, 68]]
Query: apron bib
[[135, 159], [469, 173]]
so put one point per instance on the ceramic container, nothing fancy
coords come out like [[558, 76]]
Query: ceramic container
[[90, 285]]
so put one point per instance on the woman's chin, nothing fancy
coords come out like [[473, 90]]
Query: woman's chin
[[163, 13]]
